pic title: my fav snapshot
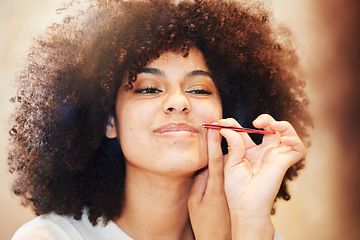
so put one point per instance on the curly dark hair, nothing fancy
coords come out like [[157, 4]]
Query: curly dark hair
[[60, 156]]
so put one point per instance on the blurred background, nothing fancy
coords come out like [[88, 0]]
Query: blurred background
[[326, 195]]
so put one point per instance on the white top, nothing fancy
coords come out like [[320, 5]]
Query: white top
[[56, 227]]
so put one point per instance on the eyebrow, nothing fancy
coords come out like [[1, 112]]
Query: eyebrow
[[154, 71], [158, 72], [198, 73]]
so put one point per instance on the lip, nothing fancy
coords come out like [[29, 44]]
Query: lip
[[177, 130]]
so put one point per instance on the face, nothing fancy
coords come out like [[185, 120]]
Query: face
[[158, 119]]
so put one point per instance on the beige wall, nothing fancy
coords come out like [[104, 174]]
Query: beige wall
[[316, 208], [20, 20]]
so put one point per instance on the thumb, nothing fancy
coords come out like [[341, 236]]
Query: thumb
[[198, 187]]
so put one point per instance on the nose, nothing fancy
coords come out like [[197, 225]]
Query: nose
[[176, 102]]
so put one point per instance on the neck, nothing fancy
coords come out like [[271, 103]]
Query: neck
[[156, 206]]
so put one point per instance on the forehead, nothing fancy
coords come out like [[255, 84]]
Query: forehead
[[177, 61]]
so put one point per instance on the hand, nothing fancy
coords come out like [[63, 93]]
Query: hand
[[208, 209], [253, 173]]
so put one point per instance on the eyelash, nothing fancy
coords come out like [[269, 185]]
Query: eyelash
[[148, 90], [199, 91], [153, 90]]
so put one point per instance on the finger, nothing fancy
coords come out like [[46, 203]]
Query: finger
[[265, 121], [199, 187], [293, 141], [230, 122], [285, 128], [236, 148], [296, 145], [216, 161], [269, 123]]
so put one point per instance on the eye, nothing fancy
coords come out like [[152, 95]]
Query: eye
[[148, 90], [199, 91]]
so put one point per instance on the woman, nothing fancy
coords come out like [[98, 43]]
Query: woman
[[107, 142]]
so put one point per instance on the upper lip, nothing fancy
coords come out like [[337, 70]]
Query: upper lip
[[174, 126]]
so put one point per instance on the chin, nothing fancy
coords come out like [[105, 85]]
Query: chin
[[185, 165]]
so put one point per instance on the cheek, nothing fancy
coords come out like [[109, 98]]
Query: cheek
[[128, 135], [126, 124], [130, 117], [132, 125], [208, 112]]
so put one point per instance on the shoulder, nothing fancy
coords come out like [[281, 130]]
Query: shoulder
[[56, 227], [48, 227], [277, 236]]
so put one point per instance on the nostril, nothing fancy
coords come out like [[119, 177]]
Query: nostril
[[170, 109], [185, 110]]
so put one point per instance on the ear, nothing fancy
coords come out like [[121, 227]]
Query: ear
[[111, 128]]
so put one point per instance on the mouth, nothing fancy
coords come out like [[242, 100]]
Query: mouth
[[177, 130]]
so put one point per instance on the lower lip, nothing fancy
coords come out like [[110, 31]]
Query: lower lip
[[177, 134]]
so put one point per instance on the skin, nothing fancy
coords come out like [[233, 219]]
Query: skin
[[164, 147], [251, 177], [170, 90]]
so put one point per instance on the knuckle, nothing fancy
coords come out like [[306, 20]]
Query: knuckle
[[303, 148], [265, 115], [236, 146], [229, 121]]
